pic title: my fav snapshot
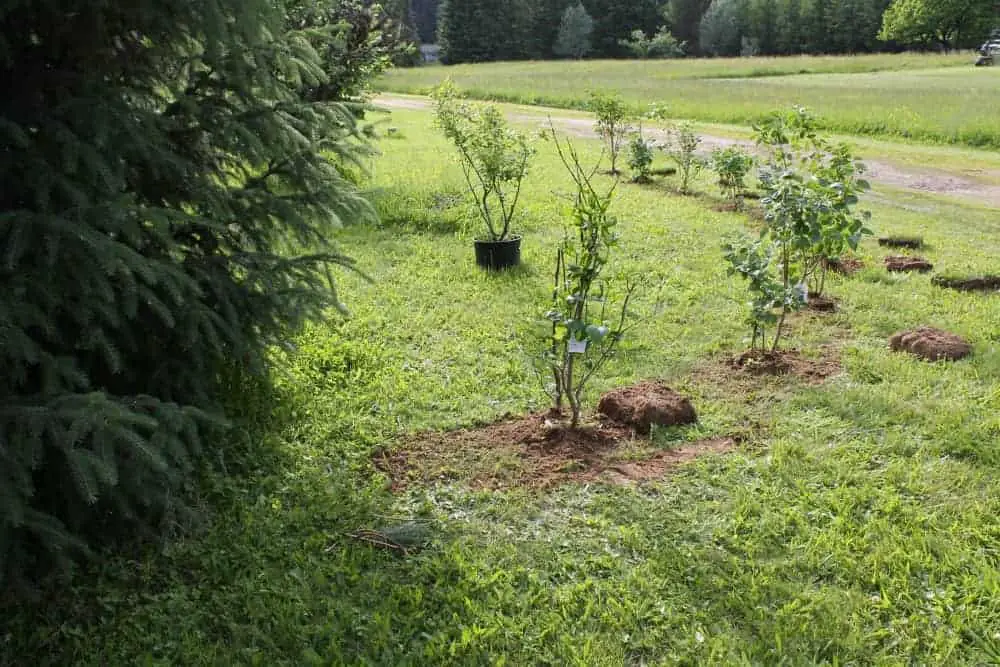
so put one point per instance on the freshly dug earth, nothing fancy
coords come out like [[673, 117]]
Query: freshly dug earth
[[845, 266], [901, 263], [821, 304], [930, 344], [536, 451], [912, 242], [785, 362], [986, 283], [647, 403]]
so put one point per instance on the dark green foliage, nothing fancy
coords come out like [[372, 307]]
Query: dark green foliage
[[546, 20], [469, 31], [160, 170], [684, 18], [425, 18], [723, 27], [575, 29], [615, 20], [661, 45], [786, 27], [356, 41], [945, 23]]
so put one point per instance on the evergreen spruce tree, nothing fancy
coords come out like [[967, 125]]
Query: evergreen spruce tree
[[425, 14], [545, 21], [470, 31], [160, 167]]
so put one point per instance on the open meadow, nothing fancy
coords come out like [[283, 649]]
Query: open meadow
[[940, 99], [849, 515]]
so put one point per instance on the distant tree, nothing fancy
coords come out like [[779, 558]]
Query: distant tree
[[684, 18], [661, 45], [425, 17], [945, 23], [764, 22], [789, 39], [546, 18], [469, 30], [575, 29], [722, 28], [614, 20]]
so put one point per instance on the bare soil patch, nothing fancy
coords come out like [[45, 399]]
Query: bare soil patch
[[540, 451], [787, 362], [821, 304], [987, 283], [931, 344], [911, 242], [904, 263], [844, 266]]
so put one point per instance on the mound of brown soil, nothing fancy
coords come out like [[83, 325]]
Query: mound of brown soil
[[822, 304], [901, 263], [647, 403], [912, 242], [931, 344], [785, 362], [973, 284], [845, 266]]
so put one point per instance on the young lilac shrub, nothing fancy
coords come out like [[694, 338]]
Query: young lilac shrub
[[732, 165], [682, 149], [494, 157], [813, 188], [613, 124], [583, 335], [640, 157]]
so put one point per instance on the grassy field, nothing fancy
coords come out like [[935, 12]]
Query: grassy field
[[940, 99], [858, 521]]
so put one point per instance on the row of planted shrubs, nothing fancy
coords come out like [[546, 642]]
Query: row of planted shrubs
[[810, 195]]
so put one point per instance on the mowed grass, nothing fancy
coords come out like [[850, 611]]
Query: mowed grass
[[940, 99], [857, 523]]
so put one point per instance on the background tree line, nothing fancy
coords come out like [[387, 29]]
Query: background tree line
[[487, 30]]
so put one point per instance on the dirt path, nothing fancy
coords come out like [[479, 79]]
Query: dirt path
[[880, 172]]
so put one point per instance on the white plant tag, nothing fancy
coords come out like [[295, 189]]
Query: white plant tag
[[577, 346]]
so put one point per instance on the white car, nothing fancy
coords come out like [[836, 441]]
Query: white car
[[988, 53]]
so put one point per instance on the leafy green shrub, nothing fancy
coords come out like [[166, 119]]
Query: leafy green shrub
[[682, 149], [813, 188], [772, 297], [582, 338], [163, 175], [614, 120], [660, 46], [640, 158], [732, 165], [494, 156]]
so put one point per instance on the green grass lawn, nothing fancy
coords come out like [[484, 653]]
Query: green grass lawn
[[941, 99], [858, 522]]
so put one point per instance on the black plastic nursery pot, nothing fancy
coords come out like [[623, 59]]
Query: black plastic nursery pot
[[498, 255]]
